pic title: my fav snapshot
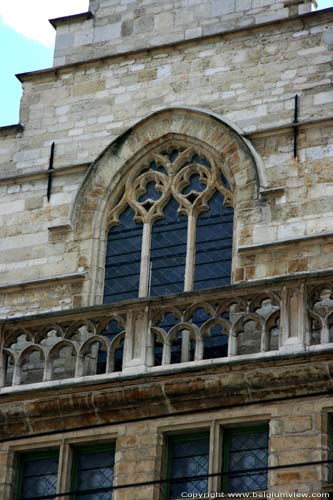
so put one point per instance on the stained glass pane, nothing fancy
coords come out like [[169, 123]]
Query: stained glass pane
[[214, 245], [122, 269], [247, 458], [189, 458], [38, 476], [94, 475], [168, 252]]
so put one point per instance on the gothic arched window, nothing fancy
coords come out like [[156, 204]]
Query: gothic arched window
[[171, 229]]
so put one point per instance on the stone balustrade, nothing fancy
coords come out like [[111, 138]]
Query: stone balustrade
[[257, 320]]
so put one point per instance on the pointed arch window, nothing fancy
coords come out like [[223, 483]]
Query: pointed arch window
[[171, 229]]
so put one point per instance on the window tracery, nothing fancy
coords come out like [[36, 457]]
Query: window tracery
[[171, 228]]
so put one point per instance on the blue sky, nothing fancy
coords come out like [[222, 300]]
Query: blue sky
[[26, 41]]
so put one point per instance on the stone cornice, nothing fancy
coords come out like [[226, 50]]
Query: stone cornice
[[300, 239], [43, 174], [15, 287], [14, 129], [75, 18], [199, 390], [144, 51], [287, 128]]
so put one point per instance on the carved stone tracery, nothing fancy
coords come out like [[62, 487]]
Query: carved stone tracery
[[177, 169], [320, 313], [188, 174]]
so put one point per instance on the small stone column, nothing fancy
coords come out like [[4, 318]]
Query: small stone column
[[136, 340], [292, 319]]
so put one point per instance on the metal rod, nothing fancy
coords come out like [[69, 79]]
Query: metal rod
[[50, 170], [295, 127]]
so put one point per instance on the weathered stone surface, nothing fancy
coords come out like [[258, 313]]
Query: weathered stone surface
[[119, 96]]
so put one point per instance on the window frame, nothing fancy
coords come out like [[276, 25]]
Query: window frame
[[31, 455], [62, 444], [86, 449], [124, 194], [217, 429], [228, 432], [182, 437]]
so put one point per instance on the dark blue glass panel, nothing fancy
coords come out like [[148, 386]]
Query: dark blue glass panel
[[247, 452], [173, 155], [158, 352], [216, 345], [151, 193], [189, 457], [122, 269], [194, 185], [176, 349], [158, 168], [39, 477], [201, 160], [95, 474], [168, 252], [214, 245], [111, 331], [199, 316], [168, 321], [197, 159]]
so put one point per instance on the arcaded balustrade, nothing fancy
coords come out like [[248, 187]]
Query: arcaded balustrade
[[148, 335]]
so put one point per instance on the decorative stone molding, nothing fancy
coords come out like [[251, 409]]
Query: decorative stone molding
[[226, 325], [207, 387]]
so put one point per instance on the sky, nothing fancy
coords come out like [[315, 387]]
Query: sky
[[27, 42]]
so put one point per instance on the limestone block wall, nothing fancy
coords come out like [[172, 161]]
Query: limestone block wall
[[249, 77], [298, 434], [120, 26]]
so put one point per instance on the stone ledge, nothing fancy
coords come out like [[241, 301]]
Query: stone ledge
[[75, 18], [276, 191], [60, 226], [14, 287], [229, 290], [165, 395], [41, 174], [167, 370], [285, 129], [259, 246], [11, 129]]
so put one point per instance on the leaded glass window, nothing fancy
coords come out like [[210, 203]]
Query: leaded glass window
[[171, 227], [37, 476], [123, 259], [245, 459], [93, 473], [168, 252], [214, 245], [188, 461]]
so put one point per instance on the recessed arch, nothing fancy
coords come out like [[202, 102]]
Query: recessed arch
[[90, 217]]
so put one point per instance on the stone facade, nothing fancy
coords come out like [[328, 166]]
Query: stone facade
[[130, 77], [118, 27], [86, 106]]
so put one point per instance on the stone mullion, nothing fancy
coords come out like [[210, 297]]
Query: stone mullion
[[293, 309], [64, 470], [189, 277], [215, 457], [190, 252], [145, 260]]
